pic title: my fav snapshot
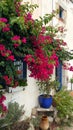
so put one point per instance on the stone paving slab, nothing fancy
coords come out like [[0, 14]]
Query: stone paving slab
[[61, 128], [68, 128], [64, 128]]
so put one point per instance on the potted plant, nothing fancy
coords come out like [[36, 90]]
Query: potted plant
[[46, 88]]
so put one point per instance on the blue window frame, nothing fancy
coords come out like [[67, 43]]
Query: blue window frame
[[61, 10], [59, 74], [21, 65]]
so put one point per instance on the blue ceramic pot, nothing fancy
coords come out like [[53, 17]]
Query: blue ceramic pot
[[45, 102]]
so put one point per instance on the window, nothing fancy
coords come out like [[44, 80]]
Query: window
[[22, 67], [61, 11], [62, 14], [22, 76]]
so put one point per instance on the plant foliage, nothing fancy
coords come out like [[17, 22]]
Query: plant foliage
[[64, 105], [14, 114], [33, 41]]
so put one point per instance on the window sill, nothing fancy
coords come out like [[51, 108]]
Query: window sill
[[13, 90]]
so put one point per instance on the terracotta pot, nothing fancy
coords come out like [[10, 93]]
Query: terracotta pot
[[44, 123]]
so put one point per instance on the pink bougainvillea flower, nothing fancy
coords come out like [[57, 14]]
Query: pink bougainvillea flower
[[41, 39], [17, 7], [9, 52], [71, 68], [54, 59], [15, 84], [29, 16], [2, 47], [6, 28], [16, 38], [4, 108], [48, 39], [2, 98], [11, 57], [41, 68], [7, 79], [64, 43], [16, 45], [5, 53], [29, 58], [61, 29], [24, 40], [3, 20], [43, 30]]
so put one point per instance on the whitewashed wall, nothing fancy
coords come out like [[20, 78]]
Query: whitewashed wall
[[68, 37], [69, 33], [28, 97]]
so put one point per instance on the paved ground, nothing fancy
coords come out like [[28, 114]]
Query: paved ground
[[68, 128], [61, 128]]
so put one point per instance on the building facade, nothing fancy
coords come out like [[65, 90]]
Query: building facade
[[29, 97], [64, 18]]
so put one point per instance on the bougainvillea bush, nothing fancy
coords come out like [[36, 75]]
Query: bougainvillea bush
[[28, 39], [3, 108]]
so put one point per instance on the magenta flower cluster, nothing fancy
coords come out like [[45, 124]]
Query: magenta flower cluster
[[3, 108], [43, 59], [29, 40]]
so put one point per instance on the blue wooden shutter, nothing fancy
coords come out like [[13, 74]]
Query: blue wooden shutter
[[59, 74], [21, 66], [24, 70]]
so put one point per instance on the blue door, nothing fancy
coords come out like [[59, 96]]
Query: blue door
[[59, 74]]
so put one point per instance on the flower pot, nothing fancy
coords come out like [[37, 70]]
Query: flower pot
[[45, 102], [44, 123]]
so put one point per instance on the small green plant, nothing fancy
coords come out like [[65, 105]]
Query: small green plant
[[22, 82], [14, 114], [71, 80], [36, 120], [46, 86], [64, 106]]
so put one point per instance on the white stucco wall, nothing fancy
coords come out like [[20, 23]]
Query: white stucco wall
[[69, 36], [28, 97]]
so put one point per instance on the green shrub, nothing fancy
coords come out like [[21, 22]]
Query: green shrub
[[64, 106], [71, 80], [14, 114]]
